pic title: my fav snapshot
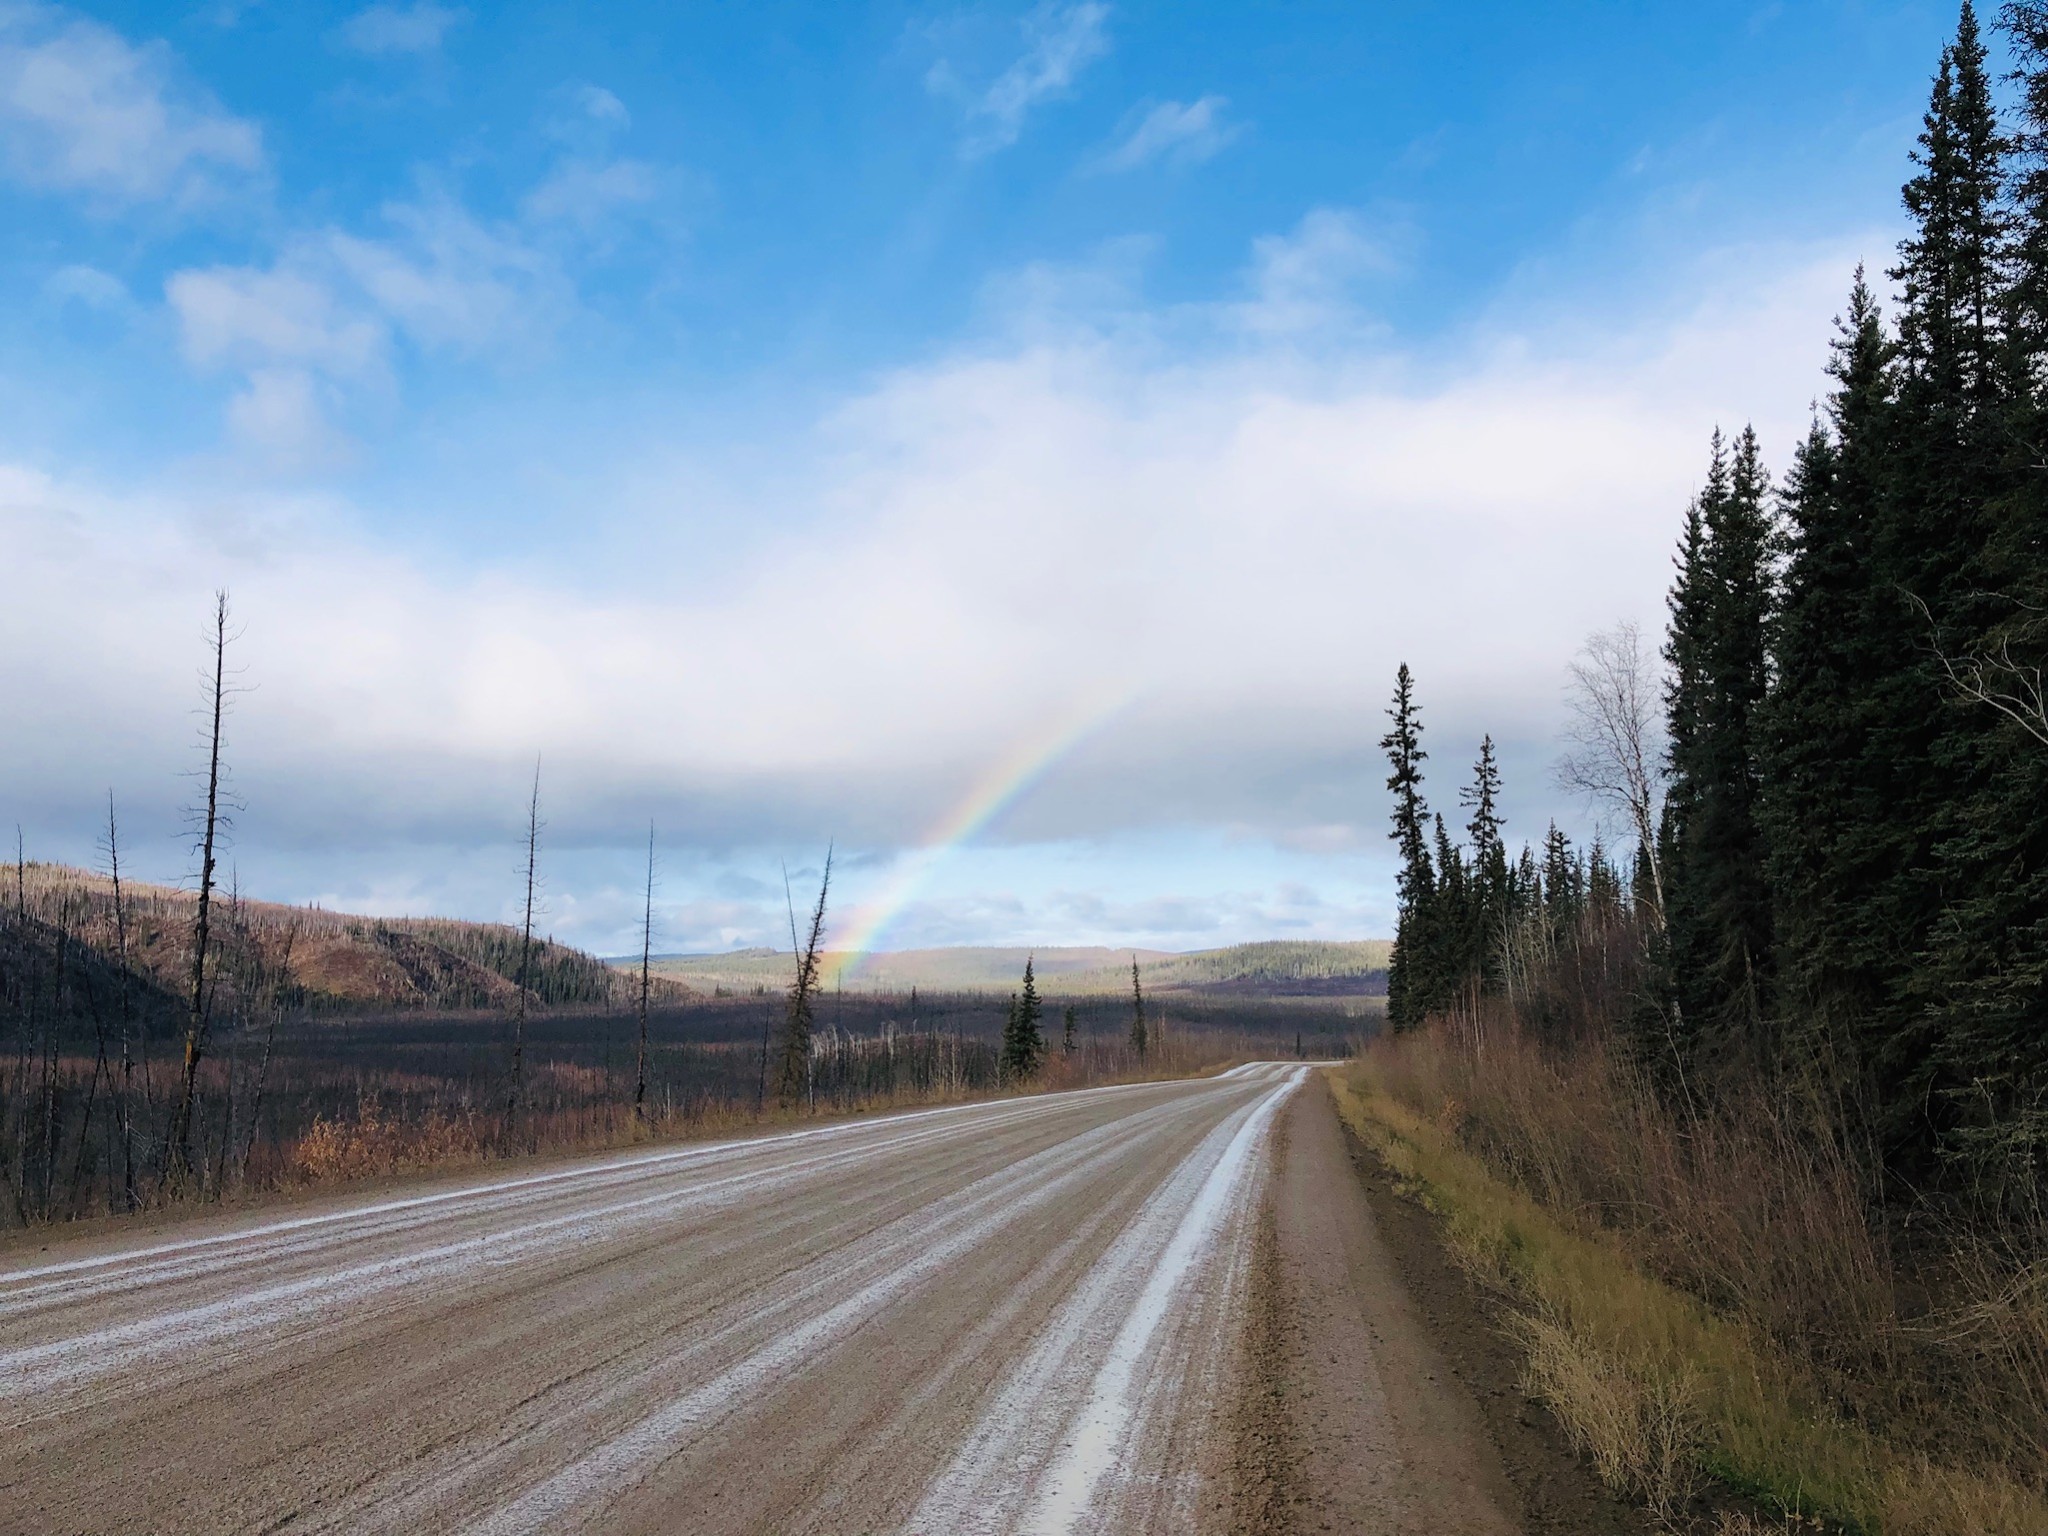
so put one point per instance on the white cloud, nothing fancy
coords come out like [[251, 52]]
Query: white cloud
[[1306, 279], [82, 109], [589, 193], [1241, 541], [333, 308], [1181, 133], [585, 115], [88, 286], [383, 30], [250, 317], [1060, 40], [278, 413], [449, 280], [589, 188]]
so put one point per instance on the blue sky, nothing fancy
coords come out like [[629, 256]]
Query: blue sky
[[770, 415]]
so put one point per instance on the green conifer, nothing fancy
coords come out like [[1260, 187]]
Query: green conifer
[[1717, 915], [1490, 892], [1408, 972], [1023, 1040]]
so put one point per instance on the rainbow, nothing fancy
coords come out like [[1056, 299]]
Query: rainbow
[[1002, 784]]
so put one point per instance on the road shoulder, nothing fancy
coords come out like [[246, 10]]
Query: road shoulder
[[1380, 1394]]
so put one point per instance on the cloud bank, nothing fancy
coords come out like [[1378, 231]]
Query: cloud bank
[[1239, 516]]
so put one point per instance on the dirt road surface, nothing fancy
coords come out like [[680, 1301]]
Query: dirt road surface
[[1024, 1316]]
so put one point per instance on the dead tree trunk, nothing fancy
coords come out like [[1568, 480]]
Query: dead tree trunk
[[126, 1107], [525, 944], [273, 1006], [646, 978], [793, 1082], [180, 1151]]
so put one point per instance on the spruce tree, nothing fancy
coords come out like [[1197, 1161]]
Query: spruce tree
[[1452, 927], [1982, 986], [1408, 972], [1824, 814], [1564, 887], [1139, 1041], [1603, 885], [1718, 915], [1490, 892], [1023, 1040], [1932, 835], [1679, 957]]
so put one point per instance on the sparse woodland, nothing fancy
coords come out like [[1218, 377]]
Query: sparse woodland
[[186, 1044]]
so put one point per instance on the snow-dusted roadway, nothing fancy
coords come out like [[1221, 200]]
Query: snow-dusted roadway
[[1001, 1318]]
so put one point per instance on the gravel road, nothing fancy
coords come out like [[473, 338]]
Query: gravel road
[[1011, 1317]]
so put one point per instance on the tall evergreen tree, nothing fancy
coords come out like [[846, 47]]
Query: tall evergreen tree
[[1409, 982], [1491, 889], [1564, 886], [1923, 755], [1718, 903], [1452, 925], [1949, 264], [1824, 810], [1603, 885], [1981, 987], [1023, 1039]]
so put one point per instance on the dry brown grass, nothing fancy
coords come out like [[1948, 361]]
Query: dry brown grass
[[1712, 1296], [372, 1143], [1639, 1424]]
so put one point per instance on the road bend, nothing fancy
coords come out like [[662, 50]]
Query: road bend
[[994, 1318]]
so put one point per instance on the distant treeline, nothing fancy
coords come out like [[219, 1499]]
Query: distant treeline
[[1843, 885], [1325, 968]]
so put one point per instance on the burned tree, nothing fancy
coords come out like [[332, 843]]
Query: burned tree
[[793, 1078], [525, 940], [126, 1108], [646, 978], [209, 825]]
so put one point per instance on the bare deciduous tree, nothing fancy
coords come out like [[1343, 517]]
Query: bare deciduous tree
[[209, 825], [1615, 756], [1995, 677]]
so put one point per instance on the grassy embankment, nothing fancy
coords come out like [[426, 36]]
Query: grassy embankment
[[1710, 1302]]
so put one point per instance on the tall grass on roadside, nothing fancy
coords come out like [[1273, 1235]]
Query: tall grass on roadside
[[1709, 1292]]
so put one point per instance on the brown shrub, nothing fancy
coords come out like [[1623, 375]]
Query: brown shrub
[[1757, 1206]]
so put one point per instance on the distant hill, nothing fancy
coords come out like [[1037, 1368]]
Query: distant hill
[[298, 957], [1281, 968]]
